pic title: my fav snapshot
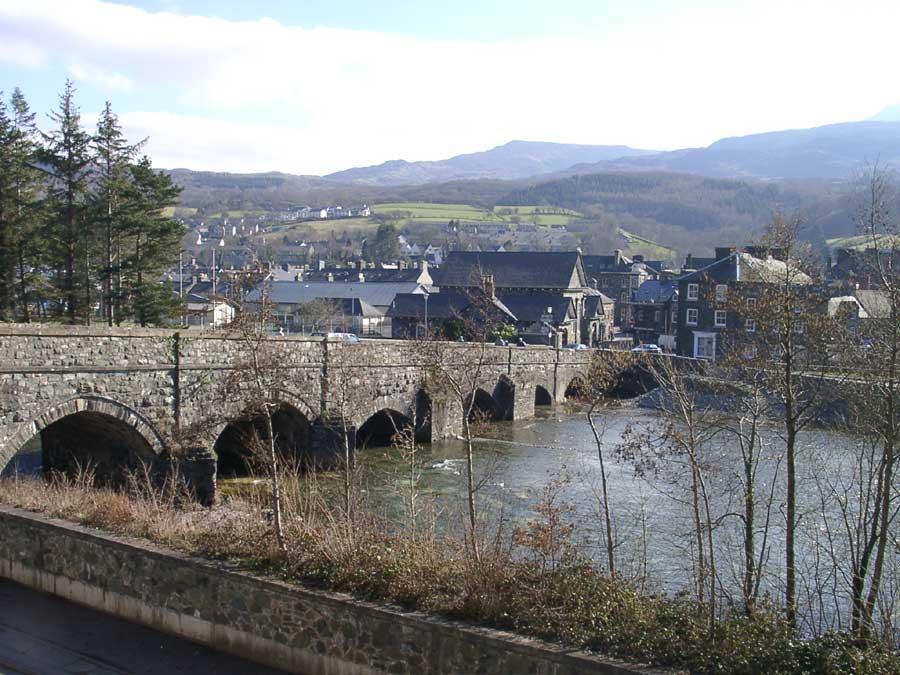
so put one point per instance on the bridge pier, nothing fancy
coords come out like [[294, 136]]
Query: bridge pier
[[327, 437]]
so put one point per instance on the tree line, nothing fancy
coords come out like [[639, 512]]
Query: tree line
[[83, 230]]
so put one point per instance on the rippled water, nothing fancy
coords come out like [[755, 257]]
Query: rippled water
[[653, 525]]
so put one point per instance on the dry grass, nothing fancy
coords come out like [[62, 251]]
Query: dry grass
[[513, 586]]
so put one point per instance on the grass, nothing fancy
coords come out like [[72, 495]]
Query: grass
[[437, 212], [650, 249], [858, 242], [532, 582]]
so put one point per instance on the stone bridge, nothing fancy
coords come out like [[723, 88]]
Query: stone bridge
[[115, 398]]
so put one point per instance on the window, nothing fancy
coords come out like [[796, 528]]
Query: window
[[721, 292], [750, 326], [751, 302], [720, 318], [624, 282], [656, 316], [705, 345], [692, 317], [604, 282], [693, 291]]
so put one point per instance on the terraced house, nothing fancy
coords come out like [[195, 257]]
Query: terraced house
[[707, 298]]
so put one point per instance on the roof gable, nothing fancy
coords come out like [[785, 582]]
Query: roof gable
[[520, 269]]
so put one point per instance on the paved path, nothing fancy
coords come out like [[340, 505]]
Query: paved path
[[44, 635]]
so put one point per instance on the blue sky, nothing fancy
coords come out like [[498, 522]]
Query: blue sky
[[310, 86]]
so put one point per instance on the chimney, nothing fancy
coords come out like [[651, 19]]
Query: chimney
[[330, 277], [360, 265], [401, 264], [617, 256], [487, 284], [423, 265]]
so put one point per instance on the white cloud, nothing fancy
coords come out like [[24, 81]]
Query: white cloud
[[347, 98], [104, 78]]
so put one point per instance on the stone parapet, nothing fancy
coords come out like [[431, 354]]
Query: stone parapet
[[271, 622]]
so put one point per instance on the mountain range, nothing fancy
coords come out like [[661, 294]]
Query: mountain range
[[834, 151], [516, 159]]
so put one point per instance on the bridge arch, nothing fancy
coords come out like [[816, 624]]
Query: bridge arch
[[234, 444], [542, 395], [483, 407], [380, 429], [87, 431]]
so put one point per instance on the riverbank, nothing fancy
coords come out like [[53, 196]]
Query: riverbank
[[544, 592]]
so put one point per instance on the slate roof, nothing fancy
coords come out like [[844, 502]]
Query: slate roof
[[518, 269], [533, 307], [654, 290], [444, 305], [876, 303], [595, 303], [745, 268], [297, 292], [594, 264]]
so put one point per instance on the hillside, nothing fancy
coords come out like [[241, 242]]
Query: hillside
[[517, 159], [686, 211], [833, 152]]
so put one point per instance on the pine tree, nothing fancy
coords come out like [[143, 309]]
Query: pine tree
[[6, 210], [112, 157], [153, 241], [67, 155], [28, 183]]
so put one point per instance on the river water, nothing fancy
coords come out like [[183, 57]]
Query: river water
[[653, 526]]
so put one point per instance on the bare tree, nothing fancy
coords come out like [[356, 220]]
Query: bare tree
[[874, 355], [255, 379], [458, 371], [679, 446], [592, 392], [786, 343]]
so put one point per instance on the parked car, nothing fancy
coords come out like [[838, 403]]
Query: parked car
[[647, 349], [579, 347], [344, 337]]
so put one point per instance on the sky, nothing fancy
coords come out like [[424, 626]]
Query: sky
[[316, 86]]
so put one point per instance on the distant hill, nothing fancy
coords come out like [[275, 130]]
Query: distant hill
[[686, 211], [516, 159], [833, 152]]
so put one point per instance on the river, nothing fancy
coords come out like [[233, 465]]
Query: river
[[653, 527]]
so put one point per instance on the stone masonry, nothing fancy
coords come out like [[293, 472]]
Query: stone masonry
[[166, 390]]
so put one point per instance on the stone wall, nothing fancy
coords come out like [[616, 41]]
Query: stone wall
[[169, 387], [296, 629]]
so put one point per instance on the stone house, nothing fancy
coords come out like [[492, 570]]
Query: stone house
[[653, 312], [444, 313], [532, 281], [620, 277], [703, 298]]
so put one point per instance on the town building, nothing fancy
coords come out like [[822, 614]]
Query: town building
[[707, 297]]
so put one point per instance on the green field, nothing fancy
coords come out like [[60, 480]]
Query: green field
[[858, 242], [424, 211], [321, 228], [650, 249], [407, 212]]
